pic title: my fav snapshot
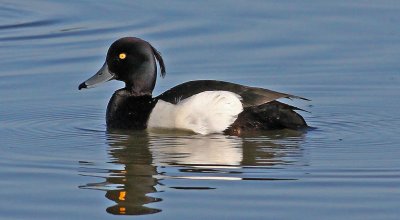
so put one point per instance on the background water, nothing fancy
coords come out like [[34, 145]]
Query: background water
[[58, 162]]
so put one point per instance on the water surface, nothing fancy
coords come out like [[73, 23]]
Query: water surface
[[58, 161]]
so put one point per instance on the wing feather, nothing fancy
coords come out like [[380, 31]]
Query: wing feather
[[251, 96]]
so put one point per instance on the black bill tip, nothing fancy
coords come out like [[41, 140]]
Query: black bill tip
[[82, 86]]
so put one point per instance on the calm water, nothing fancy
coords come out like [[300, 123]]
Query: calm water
[[57, 160]]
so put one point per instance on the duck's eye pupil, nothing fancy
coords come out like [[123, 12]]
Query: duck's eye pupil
[[122, 56]]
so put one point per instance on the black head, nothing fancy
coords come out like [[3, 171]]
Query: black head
[[133, 61]]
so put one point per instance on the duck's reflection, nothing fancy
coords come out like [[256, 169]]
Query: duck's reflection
[[135, 179], [148, 158]]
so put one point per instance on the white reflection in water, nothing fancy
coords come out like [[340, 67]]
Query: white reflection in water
[[212, 150]]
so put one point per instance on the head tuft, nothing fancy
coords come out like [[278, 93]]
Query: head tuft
[[160, 60]]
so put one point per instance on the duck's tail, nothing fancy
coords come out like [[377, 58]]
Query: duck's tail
[[268, 116]]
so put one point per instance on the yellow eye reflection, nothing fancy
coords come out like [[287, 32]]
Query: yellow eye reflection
[[122, 210], [122, 56], [122, 195]]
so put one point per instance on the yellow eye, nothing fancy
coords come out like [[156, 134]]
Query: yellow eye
[[122, 56]]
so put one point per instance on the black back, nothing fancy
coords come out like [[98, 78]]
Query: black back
[[251, 96]]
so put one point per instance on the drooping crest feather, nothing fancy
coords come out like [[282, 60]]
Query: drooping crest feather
[[160, 60]]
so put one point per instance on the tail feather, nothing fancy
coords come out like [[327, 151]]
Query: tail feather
[[272, 115]]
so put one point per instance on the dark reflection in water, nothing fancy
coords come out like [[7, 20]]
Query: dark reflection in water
[[141, 155], [128, 187], [136, 179]]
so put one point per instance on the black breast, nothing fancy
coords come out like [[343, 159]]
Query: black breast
[[125, 111]]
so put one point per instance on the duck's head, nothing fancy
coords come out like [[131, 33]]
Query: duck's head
[[133, 61]]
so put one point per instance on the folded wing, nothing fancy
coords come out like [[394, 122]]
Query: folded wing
[[251, 96]]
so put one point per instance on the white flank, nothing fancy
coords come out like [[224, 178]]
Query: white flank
[[204, 113]]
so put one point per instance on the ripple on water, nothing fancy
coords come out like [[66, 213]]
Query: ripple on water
[[356, 127], [37, 41], [44, 126]]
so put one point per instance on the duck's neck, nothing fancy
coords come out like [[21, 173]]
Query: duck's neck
[[138, 89], [126, 110]]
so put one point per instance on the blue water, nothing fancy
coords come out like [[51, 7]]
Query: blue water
[[57, 160]]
